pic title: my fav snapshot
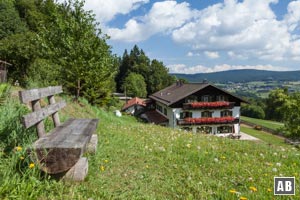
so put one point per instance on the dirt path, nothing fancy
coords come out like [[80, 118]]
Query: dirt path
[[245, 136]]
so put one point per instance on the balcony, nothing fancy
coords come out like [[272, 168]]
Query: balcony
[[208, 105], [208, 120]]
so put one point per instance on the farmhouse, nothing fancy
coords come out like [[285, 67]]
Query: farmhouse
[[199, 107]]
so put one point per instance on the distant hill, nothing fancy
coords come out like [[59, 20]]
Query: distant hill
[[243, 75]]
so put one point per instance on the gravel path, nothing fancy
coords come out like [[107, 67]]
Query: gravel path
[[245, 136]]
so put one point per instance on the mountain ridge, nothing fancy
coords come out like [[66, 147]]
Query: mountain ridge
[[241, 75]]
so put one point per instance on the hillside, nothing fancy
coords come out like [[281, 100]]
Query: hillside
[[245, 75], [143, 161]]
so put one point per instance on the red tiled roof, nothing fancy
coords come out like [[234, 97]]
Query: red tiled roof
[[134, 101], [155, 117]]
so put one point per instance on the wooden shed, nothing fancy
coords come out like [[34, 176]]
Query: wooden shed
[[3, 71]]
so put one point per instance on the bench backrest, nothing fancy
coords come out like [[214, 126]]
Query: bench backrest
[[34, 96]]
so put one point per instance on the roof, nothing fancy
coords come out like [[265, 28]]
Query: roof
[[134, 101], [178, 91], [155, 117]]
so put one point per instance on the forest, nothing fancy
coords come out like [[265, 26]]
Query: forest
[[61, 44]]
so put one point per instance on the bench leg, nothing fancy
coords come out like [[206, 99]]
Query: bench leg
[[92, 145], [78, 172]]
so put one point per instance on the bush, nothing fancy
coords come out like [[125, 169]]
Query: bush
[[252, 111], [12, 132], [4, 92]]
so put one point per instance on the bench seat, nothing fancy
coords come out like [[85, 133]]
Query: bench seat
[[63, 146]]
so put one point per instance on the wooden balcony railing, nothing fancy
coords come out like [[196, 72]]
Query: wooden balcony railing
[[208, 120], [208, 105]]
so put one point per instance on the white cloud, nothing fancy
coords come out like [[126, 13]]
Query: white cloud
[[182, 68], [190, 54], [249, 28], [292, 18], [235, 55], [163, 17], [106, 10], [212, 54]]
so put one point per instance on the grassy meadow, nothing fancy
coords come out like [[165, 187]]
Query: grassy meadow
[[143, 161], [266, 123]]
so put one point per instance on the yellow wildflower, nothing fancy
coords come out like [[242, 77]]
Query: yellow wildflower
[[102, 168], [253, 189], [21, 158], [269, 190], [147, 166], [233, 191], [188, 145], [243, 198], [31, 165], [223, 157], [106, 161], [18, 148]]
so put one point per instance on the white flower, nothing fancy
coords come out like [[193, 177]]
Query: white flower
[[274, 169], [161, 148], [216, 160], [278, 164]]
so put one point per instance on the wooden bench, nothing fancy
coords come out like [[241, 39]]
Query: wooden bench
[[61, 150]]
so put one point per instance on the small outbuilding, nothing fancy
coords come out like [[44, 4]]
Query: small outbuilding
[[3, 71], [134, 106]]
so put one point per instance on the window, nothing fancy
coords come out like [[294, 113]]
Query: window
[[222, 98], [225, 129], [187, 128], [204, 130], [191, 99], [186, 115], [158, 107], [226, 113], [206, 114], [205, 98], [165, 111]]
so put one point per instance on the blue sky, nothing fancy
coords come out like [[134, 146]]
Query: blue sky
[[205, 35]]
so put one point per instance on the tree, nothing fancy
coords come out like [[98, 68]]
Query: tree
[[154, 72], [10, 21], [158, 77], [73, 41], [291, 110], [274, 103], [21, 50], [253, 111], [134, 85]]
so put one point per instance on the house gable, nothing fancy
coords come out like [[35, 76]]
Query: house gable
[[208, 93], [175, 95]]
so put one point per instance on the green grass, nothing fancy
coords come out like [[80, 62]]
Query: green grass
[[142, 161], [266, 137], [266, 123]]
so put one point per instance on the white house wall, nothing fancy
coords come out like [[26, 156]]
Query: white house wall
[[174, 113], [216, 113]]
